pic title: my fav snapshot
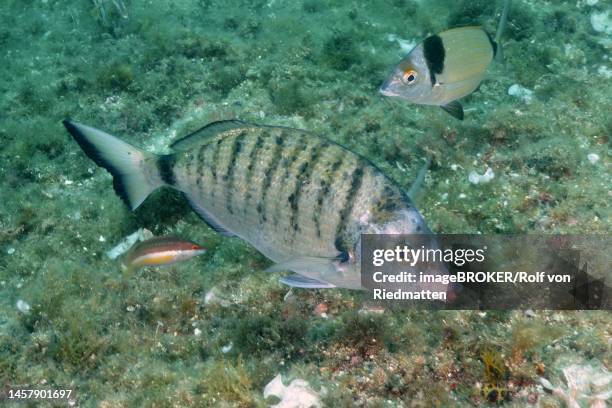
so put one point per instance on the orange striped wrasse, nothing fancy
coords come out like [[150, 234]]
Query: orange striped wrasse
[[159, 251], [300, 199]]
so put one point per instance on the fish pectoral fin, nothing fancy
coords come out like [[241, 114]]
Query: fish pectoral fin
[[454, 108], [299, 281], [209, 218], [418, 182], [304, 264]]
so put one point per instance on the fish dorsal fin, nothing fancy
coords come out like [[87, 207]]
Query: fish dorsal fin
[[203, 135]]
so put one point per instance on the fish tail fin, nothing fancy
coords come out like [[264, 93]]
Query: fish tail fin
[[136, 173]]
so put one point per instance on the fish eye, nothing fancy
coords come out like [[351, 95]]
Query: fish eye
[[409, 76]]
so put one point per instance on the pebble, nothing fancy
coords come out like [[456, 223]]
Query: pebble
[[604, 71], [297, 394], [10, 251], [593, 157], [601, 22], [23, 306], [197, 332], [405, 45], [126, 244], [226, 349], [526, 95], [476, 178]]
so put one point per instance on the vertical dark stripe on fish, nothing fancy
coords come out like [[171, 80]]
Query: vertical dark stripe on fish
[[324, 191], [288, 162], [303, 175], [213, 165], [231, 166], [165, 165], [347, 209], [200, 163], [269, 173], [255, 152], [433, 50]]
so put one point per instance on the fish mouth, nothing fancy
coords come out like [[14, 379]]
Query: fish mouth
[[385, 91]]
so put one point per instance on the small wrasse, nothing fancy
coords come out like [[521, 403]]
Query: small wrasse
[[443, 68], [159, 251]]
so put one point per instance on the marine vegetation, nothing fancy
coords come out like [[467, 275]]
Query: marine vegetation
[[532, 155]]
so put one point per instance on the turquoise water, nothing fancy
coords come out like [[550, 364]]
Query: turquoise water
[[215, 330]]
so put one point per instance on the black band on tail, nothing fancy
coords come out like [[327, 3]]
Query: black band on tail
[[165, 164]]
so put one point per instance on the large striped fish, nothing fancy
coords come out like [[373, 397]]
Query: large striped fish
[[299, 199]]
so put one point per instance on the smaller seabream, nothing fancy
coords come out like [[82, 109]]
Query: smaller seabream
[[443, 68]]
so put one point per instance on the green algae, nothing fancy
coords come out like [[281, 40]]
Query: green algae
[[315, 65]]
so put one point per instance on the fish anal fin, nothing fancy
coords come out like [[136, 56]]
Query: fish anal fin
[[299, 281], [305, 264], [209, 219], [454, 108]]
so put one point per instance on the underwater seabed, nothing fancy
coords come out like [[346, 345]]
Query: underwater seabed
[[532, 155]]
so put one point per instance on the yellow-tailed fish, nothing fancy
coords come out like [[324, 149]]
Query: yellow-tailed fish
[[159, 251], [301, 200], [443, 68]]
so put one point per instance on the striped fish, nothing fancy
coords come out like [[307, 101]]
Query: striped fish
[[159, 251], [301, 200]]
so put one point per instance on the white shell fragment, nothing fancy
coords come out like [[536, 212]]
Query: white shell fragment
[[593, 157], [227, 348], [405, 45], [476, 178], [23, 307], [212, 297], [586, 386], [602, 22], [526, 95], [298, 394], [129, 242]]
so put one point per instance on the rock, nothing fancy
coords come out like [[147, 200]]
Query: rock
[[593, 157], [298, 394], [23, 306], [526, 95], [601, 22], [476, 178]]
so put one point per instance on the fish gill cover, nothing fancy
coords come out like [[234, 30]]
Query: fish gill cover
[[531, 156]]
